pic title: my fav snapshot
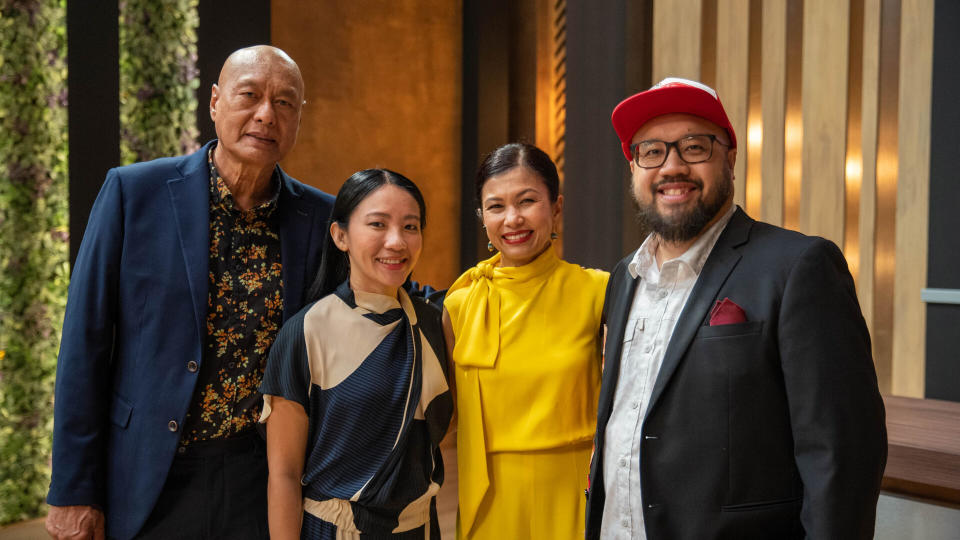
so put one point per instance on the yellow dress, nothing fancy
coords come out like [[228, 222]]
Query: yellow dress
[[527, 368]]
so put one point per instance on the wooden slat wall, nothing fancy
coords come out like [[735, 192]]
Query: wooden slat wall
[[913, 196], [826, 26], [676, 49], [844, 129], [869, 99], [774, 110], [733, 72]]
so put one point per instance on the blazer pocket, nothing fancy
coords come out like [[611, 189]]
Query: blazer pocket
[[762, 505], [730, 330], [120, 412]]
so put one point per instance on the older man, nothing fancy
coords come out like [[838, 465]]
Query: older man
[[188, 267], [739, 396]]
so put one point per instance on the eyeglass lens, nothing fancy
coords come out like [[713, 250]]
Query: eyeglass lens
[[693, 149]]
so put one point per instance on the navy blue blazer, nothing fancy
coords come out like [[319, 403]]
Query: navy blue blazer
[[769, 428], [136, 315]]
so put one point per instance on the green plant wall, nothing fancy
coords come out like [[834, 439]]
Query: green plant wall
[[34, 243], [158, 83], [158, 78]]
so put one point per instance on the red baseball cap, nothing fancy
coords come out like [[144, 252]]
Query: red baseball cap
[[671, 95]]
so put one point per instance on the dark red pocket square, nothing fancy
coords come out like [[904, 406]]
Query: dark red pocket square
[[726, 312]]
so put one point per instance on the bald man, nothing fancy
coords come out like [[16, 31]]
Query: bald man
[[188, 267]]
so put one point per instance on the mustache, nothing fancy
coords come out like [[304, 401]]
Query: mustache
[[674, 179]]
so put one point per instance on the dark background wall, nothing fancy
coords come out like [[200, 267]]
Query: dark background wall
[[943, 270], [93, 79], [225, 26]]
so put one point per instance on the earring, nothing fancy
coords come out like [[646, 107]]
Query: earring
[[554, 236], [490, 246]]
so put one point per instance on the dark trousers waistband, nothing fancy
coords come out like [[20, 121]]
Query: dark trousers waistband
[[247, 441]]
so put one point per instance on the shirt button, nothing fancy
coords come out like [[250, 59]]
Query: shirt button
[[181, 450], [232, 365], [192, 366], [634, 405], [647, 349], [662, 295], [623, 462], [625, 522], [172, 425]]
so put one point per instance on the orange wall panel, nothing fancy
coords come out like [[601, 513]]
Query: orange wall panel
[[383, 89]]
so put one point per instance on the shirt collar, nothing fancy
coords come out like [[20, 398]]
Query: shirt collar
[[695, 257], [220, 193]]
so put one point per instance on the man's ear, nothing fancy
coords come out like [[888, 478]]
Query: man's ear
[[732, 157], [214, 97], [339, 236]]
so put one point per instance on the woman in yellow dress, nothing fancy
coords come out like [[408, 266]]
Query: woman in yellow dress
[[524, 332]]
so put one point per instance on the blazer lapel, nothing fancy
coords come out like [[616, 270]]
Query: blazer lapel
[[616, 326], [295, 227], [721, 261], [190, 196]]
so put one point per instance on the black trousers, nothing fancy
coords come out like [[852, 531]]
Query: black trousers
[[215, 489]]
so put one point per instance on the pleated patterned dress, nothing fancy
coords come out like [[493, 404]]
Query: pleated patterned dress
[[369, 371]]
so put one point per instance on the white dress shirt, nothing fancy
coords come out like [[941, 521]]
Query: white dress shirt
[[659, 299]]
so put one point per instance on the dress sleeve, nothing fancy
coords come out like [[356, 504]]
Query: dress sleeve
[[288, 368]]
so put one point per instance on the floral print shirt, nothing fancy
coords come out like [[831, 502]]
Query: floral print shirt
[[244, 313]]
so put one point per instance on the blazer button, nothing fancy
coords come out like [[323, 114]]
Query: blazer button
[[192, 366], [172, 425]]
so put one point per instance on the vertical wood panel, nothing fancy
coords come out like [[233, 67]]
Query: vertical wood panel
[[793, 121], [854, 157], [913, 189], [826, 29], [708, 43], [774, 95], [886, 192], [733, 36], [676, 39], [551, 58], [868, 145], [755, 139]]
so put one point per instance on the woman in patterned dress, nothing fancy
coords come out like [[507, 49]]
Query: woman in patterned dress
[[355, 394]]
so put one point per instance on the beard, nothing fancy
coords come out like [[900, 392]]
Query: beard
[[686, 224]]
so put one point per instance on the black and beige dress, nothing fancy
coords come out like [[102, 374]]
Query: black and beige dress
[[369, 370]]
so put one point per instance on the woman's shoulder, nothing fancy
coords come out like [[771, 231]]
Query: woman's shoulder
[[591, 277]]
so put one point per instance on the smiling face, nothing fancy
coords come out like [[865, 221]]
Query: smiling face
[[255, 107], [382, 240], [678, 200], [518, 215]]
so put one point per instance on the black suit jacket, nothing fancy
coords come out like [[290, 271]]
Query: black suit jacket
[[771, 428]]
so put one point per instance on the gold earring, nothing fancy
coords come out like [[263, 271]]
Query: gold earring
[[554, 236], [490, 246]]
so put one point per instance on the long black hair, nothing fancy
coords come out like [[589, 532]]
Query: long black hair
[[335, 265], [519, 154]]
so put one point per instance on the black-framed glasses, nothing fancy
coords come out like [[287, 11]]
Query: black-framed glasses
[[691, 149]]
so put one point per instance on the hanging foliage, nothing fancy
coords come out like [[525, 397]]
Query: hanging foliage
[[34, 243], [158, 78]]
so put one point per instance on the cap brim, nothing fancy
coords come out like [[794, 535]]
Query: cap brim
[[637, 110]]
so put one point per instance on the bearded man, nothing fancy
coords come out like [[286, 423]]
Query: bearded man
[[739, 395]]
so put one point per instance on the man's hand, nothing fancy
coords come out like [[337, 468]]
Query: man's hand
[[75, 523]]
